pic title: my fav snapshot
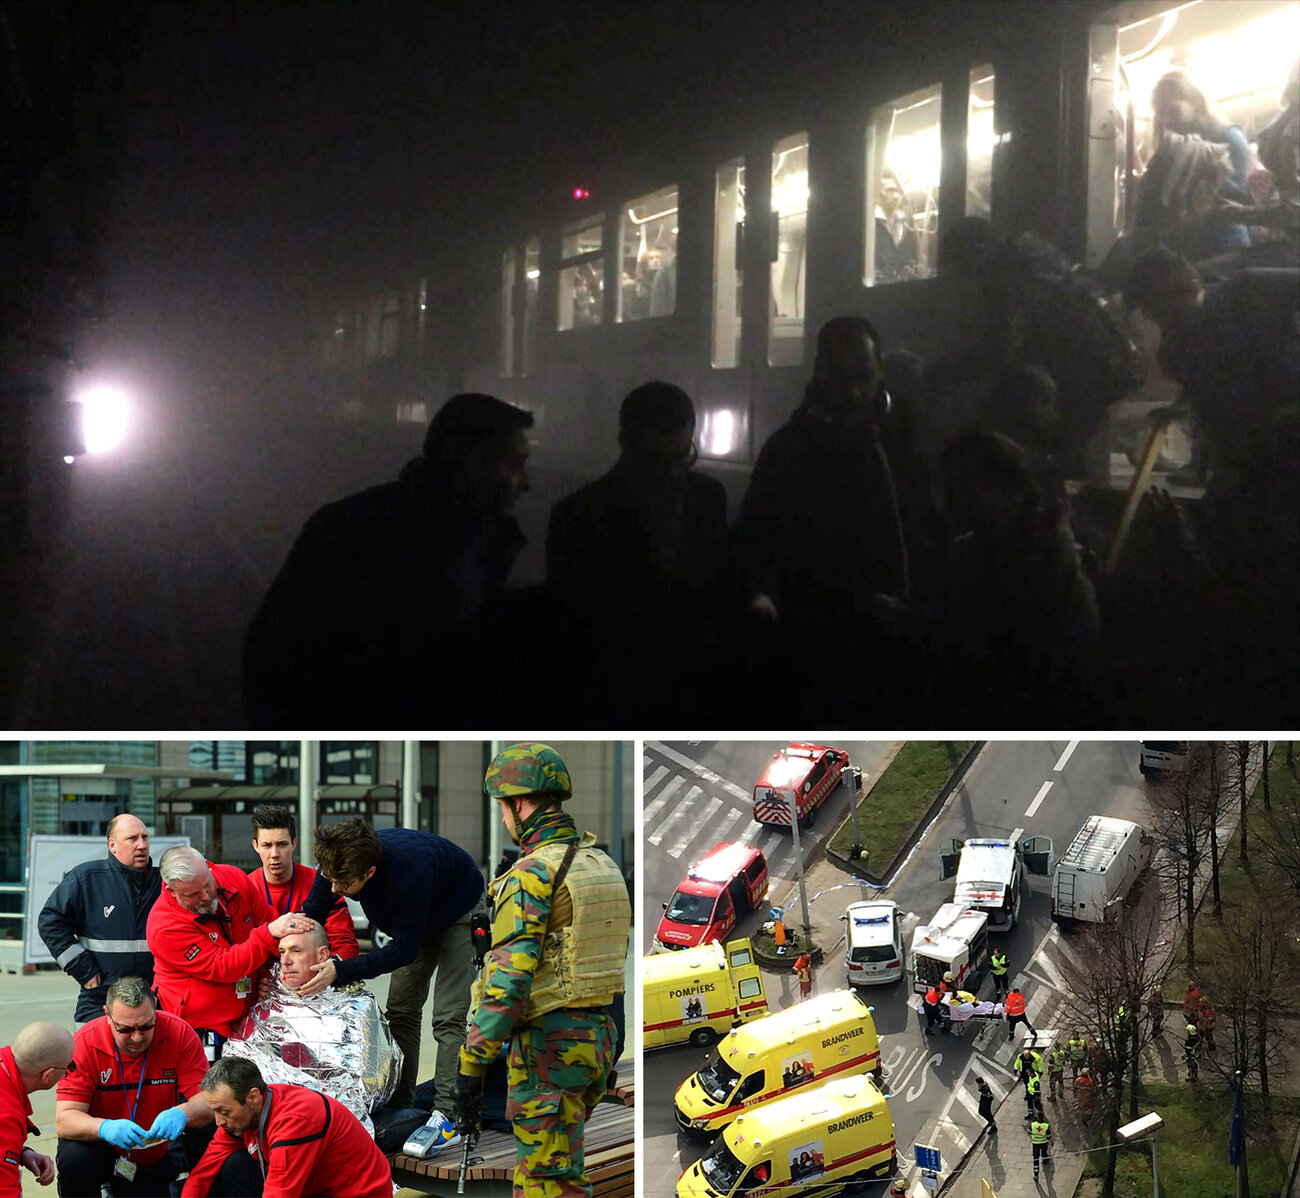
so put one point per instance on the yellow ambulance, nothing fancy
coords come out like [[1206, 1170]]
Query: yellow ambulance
[[833, 1137], [699, 994], [823, 1037]]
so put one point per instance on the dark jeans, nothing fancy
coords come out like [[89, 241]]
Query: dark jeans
[[84, 1166]]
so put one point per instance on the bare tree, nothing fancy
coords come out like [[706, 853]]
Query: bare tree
[[1263, 769], [1256, 992], [1280, 838], [1243, 759], [1110, 973], [1216, 781], [1183, 812]]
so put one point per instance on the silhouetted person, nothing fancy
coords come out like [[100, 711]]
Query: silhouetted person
[[1030, 307], [819, 536], [1223, 576], [633, 557], [371, 619], [1018, 617]]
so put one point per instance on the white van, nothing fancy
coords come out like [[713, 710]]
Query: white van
[[1160, 757], [1098, 870]]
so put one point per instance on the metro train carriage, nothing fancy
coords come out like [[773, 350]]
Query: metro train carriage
[[816, 179]]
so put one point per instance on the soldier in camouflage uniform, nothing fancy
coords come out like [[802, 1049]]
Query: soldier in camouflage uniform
[[561, 920]]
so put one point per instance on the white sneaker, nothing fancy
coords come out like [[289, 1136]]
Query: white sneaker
[[445, 1132]]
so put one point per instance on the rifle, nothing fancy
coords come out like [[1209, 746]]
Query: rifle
[[469, 1137]]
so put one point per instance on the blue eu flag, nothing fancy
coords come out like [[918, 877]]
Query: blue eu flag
[[1237, 1137]]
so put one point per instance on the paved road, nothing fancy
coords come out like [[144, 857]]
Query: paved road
[[1045, 788]]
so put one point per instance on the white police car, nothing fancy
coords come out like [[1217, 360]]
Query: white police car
[[874, 944]]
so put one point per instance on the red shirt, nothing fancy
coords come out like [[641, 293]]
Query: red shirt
[[15, 1125], [203, 964], [291, 895], [173, 1073], [309, 1145]]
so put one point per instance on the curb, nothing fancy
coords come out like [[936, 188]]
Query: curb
[[922, 824]]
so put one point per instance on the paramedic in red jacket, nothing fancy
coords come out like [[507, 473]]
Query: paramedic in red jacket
[[211, 934], [41, 1054], [286, 884], [138, 1078], [284, 1141]]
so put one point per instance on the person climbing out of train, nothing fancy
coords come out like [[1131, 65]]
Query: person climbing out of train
[[634, 558], [1034, 309], [1187, 178], [1233, 347], [819, 542]]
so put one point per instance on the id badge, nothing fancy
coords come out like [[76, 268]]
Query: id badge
[[125, 1168], [244, 987]]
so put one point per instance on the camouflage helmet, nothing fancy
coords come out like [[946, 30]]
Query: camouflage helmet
[[527, 769]]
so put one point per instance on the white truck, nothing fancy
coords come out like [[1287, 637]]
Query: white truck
[[1097, 872], [991, 873], [956, 941]]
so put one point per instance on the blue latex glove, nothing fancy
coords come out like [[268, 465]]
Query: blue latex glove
[[122, 1133], [169, 1124]]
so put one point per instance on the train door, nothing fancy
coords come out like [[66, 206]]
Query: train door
[[1237, 53]]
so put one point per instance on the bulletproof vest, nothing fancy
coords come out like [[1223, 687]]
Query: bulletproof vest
[[585, 949]]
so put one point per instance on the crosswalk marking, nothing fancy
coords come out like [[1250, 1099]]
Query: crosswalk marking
[[680, 809], [653, 778], [671, 787], [694, 826], [728, 821]]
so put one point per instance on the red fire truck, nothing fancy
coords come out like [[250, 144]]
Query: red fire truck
[[799, 777], [732, 878]]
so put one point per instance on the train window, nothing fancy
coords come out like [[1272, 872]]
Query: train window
[[507, 363], [788, 251], [532, 273], [1237, 54], [902, 209], [582, 275], [981, 137], [728, 261], [648, 256]]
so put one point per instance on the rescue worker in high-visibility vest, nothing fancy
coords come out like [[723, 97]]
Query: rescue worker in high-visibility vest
[[803, 969], [1015, 1008], [1056, 1060], [1192, 1052], [1085, 1091], [1206, 1018], [1040, 1135], [1034, 1096], [998, 968], [930, 1008], [1028, 1062], [560, 926], [1078, 1050]]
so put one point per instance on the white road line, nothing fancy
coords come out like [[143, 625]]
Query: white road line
[[727, 822], [1060, 764], [653, 779], [695, 826], [968, 1100], [705, 775], [1038, 798], [661, 801], [681, 810]]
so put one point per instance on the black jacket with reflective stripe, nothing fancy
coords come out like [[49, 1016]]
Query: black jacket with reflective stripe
[[94, 922]]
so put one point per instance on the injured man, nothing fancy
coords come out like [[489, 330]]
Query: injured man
[[336, 1042], [964, 1005]]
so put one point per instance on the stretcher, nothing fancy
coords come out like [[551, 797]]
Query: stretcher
[[961, 1012]]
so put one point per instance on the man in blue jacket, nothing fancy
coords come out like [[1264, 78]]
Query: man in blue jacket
[[421, 889], [94, 922]]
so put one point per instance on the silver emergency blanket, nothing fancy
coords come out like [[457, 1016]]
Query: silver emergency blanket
[[336, 1043]]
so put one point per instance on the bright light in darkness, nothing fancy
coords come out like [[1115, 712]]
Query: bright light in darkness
[[69, 459], [720, 432], [106, 419]]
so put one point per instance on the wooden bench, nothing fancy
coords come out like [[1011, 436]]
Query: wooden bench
[[610, 1145]]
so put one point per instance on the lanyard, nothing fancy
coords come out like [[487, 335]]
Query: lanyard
[[288, 898], [135, 1106], [259, 1136]]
